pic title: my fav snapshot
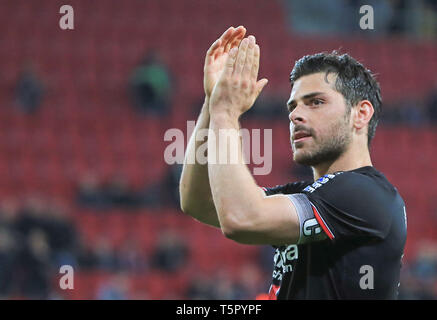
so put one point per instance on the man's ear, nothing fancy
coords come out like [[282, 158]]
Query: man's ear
[[363, 112]]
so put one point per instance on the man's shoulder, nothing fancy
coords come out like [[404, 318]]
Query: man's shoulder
[[360, 200], [366, 180]]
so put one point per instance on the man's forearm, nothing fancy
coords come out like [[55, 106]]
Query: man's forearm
[[195, 193], [234, 190]]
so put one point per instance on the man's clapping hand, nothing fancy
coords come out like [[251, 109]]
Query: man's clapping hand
[[237, 87]]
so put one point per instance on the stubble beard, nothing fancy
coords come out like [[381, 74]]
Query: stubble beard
[[327, 148]]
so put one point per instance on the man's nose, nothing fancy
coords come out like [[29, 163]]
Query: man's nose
[[296, 115]]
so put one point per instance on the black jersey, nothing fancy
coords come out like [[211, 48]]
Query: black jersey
[[362, 219]]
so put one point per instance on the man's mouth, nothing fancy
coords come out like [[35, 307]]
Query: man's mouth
[[300, 136]]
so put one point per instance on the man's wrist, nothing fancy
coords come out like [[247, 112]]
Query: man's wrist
[[204, 112], [224, 119], [206, 102]]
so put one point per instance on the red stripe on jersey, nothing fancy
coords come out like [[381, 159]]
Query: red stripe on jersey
[[322, 223], [273, 292]]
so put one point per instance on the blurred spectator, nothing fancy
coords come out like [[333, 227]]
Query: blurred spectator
[[130, 256], [115, 288], [87, 257], [35, 239], [62, 235], [164, 193], [425, 266], [406, 112], [150, 85], [431, 105], [116, 192], [89, 192], [222, 286], [105, 255], [200, 288], [245, 286], [320, 17], [8, 261], [428, 21], [410, 287], [52, 220], [341, 17], [225, 288], [397, 23], [419, 278], [170, 253], [32, 215], [29, 89], [251, 282], [152, 195], [265, 260], [35, 267], [170, 187]]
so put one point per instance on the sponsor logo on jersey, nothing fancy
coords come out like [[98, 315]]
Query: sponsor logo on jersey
[[320, 182], [283, 260], [311, 227]]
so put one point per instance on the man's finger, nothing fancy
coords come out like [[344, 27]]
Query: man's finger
[[247, 69], [236, 38], [260, 86], [213, 47], [255, 64], [227, 34], [225, 38], [211, 52], [241, 57], [230, 62]]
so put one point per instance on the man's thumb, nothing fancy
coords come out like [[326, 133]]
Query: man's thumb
[[260, 85]]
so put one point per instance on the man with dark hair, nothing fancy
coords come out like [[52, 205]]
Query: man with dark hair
[[353, 81], [340, 236]]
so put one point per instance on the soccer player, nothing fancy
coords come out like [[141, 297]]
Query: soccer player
[[340, 236]]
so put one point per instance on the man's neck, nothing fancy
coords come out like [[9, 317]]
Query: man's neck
[[349, 160]]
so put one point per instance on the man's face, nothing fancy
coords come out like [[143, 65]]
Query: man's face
[[320, 126]]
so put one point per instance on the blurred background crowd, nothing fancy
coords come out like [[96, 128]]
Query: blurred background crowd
[[83, 112]]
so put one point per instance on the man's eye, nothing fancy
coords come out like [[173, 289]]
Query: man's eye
[[316, 102], [291, 108]]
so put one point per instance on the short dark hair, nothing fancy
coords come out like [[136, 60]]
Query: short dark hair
[[354, 81]]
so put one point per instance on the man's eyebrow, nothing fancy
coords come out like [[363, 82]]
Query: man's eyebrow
[[305, 97]]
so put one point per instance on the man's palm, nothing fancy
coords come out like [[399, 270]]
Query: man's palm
[[213, 71]]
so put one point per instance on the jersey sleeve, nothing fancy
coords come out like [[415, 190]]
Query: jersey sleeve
[[350, 204], [310, 229]]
